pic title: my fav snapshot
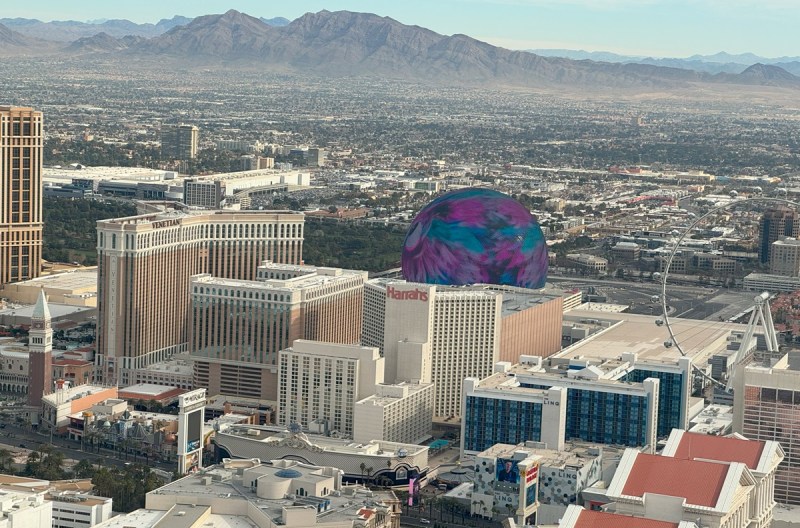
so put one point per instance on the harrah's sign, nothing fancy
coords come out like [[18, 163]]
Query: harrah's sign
[[400, 295]]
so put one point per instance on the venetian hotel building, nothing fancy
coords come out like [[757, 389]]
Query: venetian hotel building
[[237, 327], [145, 265], [20, 193]]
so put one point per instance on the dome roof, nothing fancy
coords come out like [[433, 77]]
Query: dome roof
[[288, 473], [474, 236]]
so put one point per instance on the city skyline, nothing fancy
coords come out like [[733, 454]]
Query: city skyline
[[653, 28]]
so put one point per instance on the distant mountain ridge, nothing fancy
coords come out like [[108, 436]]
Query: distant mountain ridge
[[15, 43], [71, 30], [721, 62], [103, 42], [277, 21], [349, 43], [344, 43]]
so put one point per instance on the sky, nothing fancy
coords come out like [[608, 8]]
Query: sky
[[658, 28]]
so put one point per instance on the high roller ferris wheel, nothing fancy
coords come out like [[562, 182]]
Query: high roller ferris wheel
[[760, 316]]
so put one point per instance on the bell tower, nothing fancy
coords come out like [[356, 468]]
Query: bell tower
[[40, 347]]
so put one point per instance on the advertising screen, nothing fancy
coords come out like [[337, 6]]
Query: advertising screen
[[413, 491], [191, 463], [507, 471], [530, 494], [194, 430]]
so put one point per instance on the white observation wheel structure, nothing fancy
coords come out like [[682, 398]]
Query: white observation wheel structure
[[760, 315]]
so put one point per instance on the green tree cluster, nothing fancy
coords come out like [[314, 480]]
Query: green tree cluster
[[351, 245], [97, 153], [45, 463], [83, 469], [127, 486], [6, 461], [70, 227]]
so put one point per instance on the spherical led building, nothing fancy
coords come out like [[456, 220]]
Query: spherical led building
[[474, 236]]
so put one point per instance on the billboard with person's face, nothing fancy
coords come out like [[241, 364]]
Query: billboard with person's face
[[507, 471]]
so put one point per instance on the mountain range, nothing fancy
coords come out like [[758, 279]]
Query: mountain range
[[717, 63], [344, 43], [71, 30]]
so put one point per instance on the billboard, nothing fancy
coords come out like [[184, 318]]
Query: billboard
[[192, 398], [532, 474], [507, 471], [530, 494], [190, 462], [413, 491], [194, 430]]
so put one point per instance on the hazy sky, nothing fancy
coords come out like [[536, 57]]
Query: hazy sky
[[639, 27]]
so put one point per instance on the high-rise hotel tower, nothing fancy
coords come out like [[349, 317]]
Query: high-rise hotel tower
[[20, 193], [775, 224], [238, 327], [145, 265]]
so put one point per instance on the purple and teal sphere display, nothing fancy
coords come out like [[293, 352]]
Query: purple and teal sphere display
[[475, 236]]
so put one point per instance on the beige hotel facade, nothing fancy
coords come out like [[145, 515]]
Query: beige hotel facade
[[145, 265], [21, 136], [462, 331], [238, 327]]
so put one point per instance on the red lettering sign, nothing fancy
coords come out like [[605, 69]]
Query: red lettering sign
[[532, 474], [416, 294]]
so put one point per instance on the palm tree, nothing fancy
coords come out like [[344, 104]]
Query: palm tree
[[93, 438], [83, 469], [6, 461]]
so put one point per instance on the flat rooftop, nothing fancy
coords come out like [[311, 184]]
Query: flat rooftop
[[11, 348], [502, 381], [140, 518], [76, 392], [515, 374], [137, 174], [276, 434], [574, 455], [514, 299], [301, 282], [57, 311], [183, 213], [209, 484], [639, 334], [150, 389], [72, 498], [173, 366], [413, 388], [714, 419], [79, 279]]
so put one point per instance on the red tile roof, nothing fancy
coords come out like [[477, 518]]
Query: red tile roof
[[724, 449], [596, 519], [699, 482], [366, 513]]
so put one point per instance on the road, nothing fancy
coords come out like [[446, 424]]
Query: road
[[14, 438], [688, 302]]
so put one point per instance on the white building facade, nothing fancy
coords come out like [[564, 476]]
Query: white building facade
[[459, 325], [319, 383], [396, 413]]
